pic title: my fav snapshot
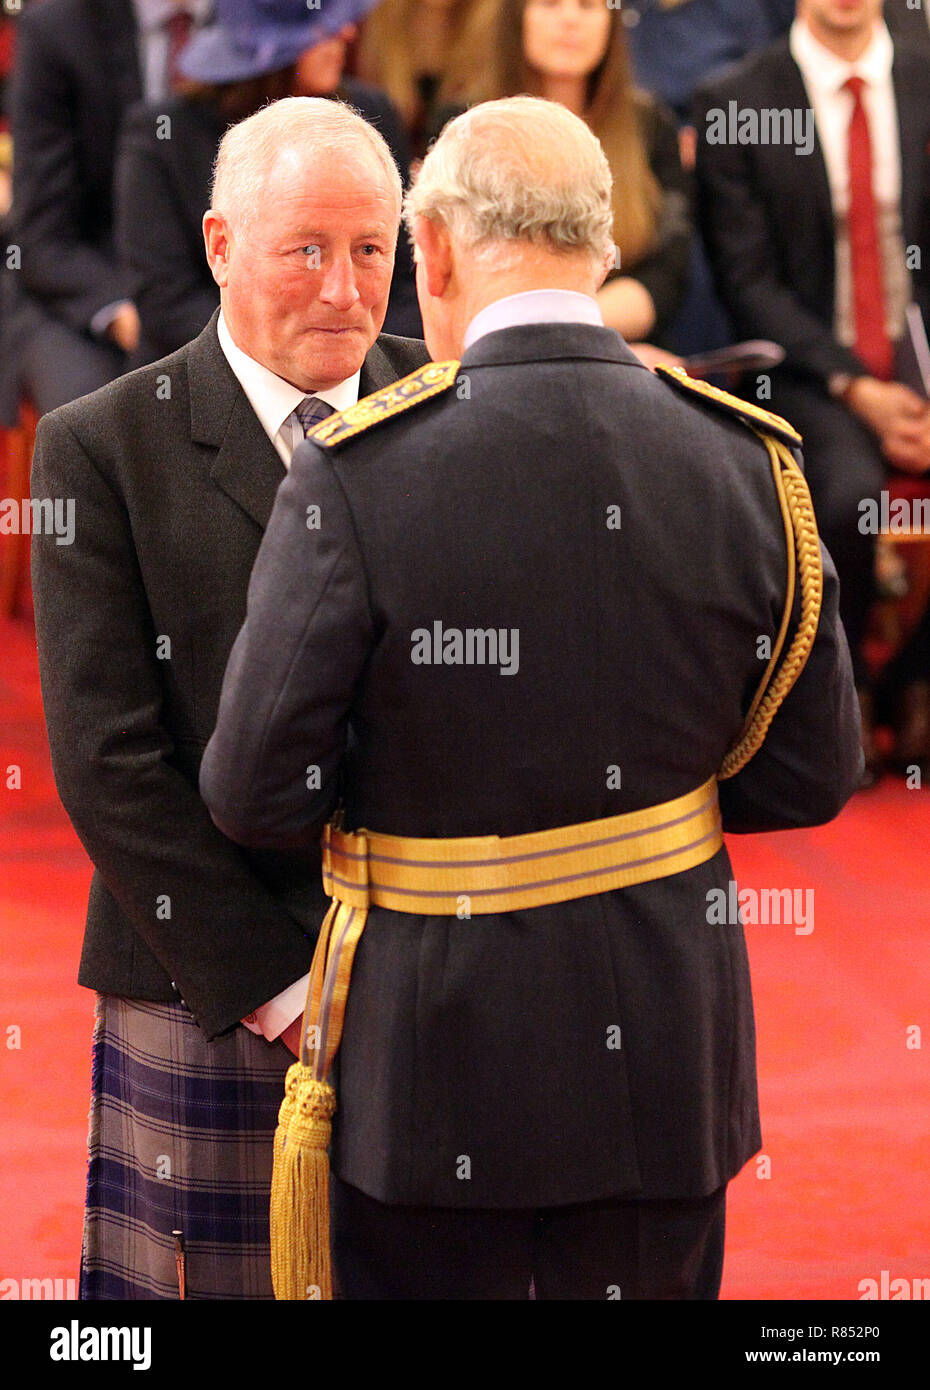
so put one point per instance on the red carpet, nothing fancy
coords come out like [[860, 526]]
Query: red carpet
[[845, 1101]]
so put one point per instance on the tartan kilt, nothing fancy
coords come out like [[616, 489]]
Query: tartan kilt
[[181, 1138]]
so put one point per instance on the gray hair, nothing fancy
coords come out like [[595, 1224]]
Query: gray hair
[[518, 170], [248, 150]]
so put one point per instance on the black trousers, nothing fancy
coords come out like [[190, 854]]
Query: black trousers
[[669, 1249]]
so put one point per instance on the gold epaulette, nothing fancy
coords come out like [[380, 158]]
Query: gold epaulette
[[411, 390], [750, 414]]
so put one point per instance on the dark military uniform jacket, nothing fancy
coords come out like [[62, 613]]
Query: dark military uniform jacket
[[629, 535]]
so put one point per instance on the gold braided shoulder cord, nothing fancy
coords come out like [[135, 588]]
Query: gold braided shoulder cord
[[804, 557]]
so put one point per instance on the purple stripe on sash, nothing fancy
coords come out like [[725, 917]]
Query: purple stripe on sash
[[523, 887], [521, 858]]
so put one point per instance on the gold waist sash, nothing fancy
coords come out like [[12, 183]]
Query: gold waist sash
[[450, 877], [520, 871]]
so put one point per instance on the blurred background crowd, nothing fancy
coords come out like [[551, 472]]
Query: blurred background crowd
[[112, 111]]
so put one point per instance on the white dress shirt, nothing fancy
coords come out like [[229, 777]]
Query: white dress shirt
[[274, 401], [825, 76], [534, 306]]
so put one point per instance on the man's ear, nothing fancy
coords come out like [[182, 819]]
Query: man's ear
[[611, 261], [217, 239], [434, 248]]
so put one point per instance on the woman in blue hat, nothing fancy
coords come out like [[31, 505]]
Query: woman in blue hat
[[256, 51]]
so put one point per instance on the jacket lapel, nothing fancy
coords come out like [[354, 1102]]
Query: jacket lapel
[[788, 90], [377, 371], [247, 466]]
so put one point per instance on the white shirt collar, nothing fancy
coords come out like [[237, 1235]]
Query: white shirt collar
[[271, 397], [827, 72], [533, 306]]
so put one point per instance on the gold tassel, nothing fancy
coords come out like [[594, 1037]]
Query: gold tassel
[[300, 1251]]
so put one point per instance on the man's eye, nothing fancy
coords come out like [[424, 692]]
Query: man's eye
[[310, 251], [370, 246]]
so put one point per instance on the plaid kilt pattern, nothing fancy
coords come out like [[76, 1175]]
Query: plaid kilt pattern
[[181, 1134]]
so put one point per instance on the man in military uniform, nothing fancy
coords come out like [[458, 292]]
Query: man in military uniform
[[516, 616]]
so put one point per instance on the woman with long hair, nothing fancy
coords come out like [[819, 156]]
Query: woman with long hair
[[575, 52]]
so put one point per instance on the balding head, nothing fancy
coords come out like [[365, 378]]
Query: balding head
[[518, 193]]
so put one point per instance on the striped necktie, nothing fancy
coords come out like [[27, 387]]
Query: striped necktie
[[311, 411]]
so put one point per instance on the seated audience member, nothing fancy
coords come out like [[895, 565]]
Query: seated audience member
[[412, 49], [163, 184], [70, 323], [574, 52], [809, 235]]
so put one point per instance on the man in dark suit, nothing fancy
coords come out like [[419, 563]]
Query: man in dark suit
[[534, 600], [173, 471], [70, 323], [811, 226]]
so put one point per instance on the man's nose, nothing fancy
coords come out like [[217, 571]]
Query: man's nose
[[338, 287]]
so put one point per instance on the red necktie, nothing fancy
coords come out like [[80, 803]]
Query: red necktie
[[873, 345], [178, 28]]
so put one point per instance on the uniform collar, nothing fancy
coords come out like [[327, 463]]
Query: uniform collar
[[533, 306]]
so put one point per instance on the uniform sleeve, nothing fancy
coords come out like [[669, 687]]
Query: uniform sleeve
[[811, 761], [270, 771]]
